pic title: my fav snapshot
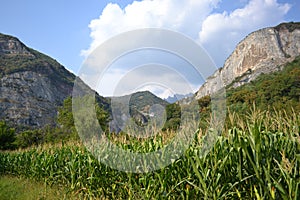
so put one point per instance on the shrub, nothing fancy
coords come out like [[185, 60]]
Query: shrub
[[7, 136]]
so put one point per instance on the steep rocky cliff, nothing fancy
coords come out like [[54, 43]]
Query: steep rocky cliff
[[32, 84], [263, 51]]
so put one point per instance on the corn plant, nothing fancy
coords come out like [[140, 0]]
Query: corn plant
[[256, 157]]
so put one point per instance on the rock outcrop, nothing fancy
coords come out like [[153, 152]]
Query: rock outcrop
[[32, 85], [263, 51]]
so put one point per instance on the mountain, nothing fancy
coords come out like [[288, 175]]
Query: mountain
[[140, 106], [177, 97], [279, 90], [32, 84], [262, 51], [142, 101]]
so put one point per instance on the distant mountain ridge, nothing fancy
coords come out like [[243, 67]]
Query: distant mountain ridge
[[137, 106], [177, 97], [262, 51]]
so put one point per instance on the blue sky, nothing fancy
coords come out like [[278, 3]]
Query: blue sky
[[58, 28], [68, 30]]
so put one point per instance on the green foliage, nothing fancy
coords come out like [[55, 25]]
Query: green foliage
[[102, 117], [258, 157], [173, 112], [29, 138], [280, 90], [7, 136], [65, 117], [204, 102]]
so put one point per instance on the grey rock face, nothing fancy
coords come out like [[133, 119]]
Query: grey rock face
[[28, 98], [263, 51], [32, 85], [10, 45]]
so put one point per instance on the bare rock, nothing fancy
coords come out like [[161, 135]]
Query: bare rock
[[32, 85], [263, 51]]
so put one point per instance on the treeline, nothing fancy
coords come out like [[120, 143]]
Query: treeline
[[12, 138]]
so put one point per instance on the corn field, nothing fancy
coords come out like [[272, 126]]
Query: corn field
[[256, 157]]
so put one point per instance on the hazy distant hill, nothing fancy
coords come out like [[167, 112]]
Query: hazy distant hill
[[137, 106], [177, 97]]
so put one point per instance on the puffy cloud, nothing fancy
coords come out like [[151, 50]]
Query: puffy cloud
[[222, 31], [159, 79], [217, 32], [183, 16]]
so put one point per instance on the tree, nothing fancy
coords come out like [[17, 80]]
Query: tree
[[29, 138], [103, 117], [7, 136], [65, 117], [173, 112]]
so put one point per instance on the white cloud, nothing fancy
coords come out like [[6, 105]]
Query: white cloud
[[222, 31], [183, 16], [109, 81], [117, 82], [217, 32]]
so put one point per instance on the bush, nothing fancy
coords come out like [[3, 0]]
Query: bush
[[7, 136], [29, 138]]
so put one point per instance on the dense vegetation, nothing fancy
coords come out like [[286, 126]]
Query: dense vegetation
[[7, 136], [64, 131], [280, 90], [257, 158], [257, 155]]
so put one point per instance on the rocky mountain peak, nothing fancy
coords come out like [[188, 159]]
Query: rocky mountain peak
[[32, 85], [12, 46], [262, 51]]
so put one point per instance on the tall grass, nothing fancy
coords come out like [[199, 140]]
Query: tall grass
[[256, 157]]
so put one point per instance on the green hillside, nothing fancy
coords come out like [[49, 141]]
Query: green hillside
[[141, 101], [278, 90]]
